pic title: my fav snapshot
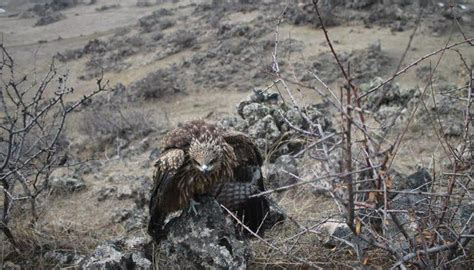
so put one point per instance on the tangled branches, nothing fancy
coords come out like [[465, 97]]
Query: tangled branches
[[32, 121], [418, 225]]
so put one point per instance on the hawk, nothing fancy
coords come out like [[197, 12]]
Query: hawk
[[197, 159]]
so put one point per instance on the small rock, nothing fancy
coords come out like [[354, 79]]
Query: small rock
[[109, 256], [66, 184], [124, 192], [105, 193], [266, 130], [10, 266], [255, 111], [154, 154], [419, 180], [62, 258], [120, 215], [335, 229], [207, 239], [49, 19], [278, 174]]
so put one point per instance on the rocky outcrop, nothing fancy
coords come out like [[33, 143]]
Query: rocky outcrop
[[207, 239], [114, 256]]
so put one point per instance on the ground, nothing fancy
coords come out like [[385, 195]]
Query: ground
[[212, 58]]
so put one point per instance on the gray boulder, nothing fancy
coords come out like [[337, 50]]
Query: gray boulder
[[265, 131], [63, 258], [207, 239], [278, 174], [254, 112], [111, 256], [66, 184]]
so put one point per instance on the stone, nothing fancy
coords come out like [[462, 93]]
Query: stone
[[66, 184], [49, 19], [124, 192], [154, 154], [110, 256], [418, 207], [63, 257], [105, 193], [255, 111], [10, 266], [278, 173], [207, 239], [266, 130], [420, 180]]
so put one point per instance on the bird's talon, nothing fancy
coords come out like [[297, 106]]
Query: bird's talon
[[192, 206]]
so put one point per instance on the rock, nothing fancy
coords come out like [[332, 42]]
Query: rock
[[110, 256], [266, 133], [136, 242], [207, 239], [420, 180], [388, 94], [62, 258], [261, 96], [417, 181], [154, 154], [255, 111], [124, 192], [10, 266], [275, 172], [66, 184], [106, 256], [132, 218], [147, 23], [334, 229], [120, 215], [417, 206], [49, 19], [140, 262], [105, 193]]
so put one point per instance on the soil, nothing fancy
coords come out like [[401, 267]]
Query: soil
[[213, 57]]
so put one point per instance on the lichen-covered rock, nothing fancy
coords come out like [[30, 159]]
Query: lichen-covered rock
[[265, 131], [417, 206], [112, 256], [419, 180], [106, 256], [255, 111], [207, 240], [281, 172], [63, 258], [66, 184], [389, 93]]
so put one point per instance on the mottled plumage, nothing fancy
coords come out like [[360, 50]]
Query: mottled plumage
[[198, 158]]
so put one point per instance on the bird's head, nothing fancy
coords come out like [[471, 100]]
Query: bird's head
[[206, 154]]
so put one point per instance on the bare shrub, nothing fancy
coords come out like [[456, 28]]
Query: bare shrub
[[112, 128], [422, 220], [33, 118], [158, 84], [116, 122]]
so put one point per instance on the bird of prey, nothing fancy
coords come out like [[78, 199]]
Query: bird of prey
[[197, 159]]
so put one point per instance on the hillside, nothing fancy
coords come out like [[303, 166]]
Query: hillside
[[267, 70]]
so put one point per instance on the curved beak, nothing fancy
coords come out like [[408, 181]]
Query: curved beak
[[205, 169]]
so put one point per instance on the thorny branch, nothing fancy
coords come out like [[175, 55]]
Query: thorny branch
[[369, 193], [32, 121]]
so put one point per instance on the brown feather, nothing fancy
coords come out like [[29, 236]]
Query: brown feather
[[178, 177]]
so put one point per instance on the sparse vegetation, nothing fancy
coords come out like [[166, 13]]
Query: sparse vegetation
[[32, 145], [363, 113]]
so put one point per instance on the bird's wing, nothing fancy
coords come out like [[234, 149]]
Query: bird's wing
[[163, 198], [245, 149]]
